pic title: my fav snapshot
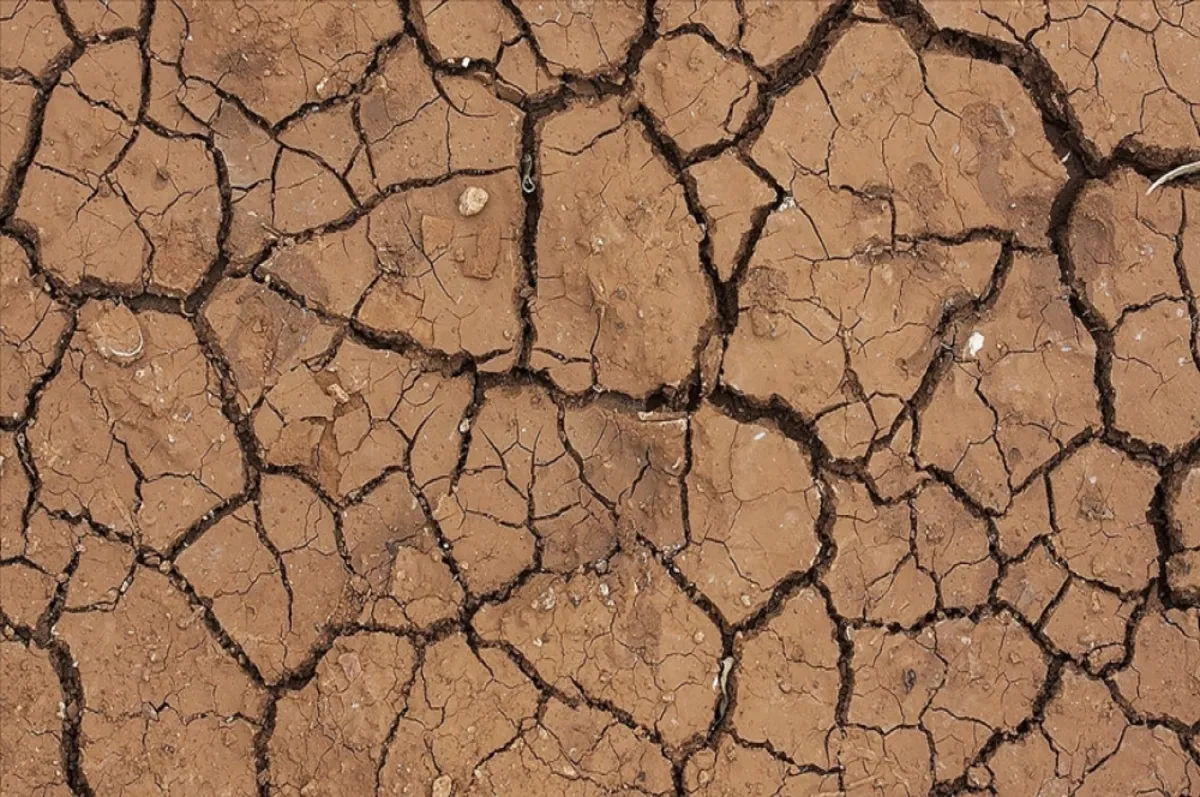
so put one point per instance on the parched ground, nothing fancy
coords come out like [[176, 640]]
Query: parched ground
[[590, 397]]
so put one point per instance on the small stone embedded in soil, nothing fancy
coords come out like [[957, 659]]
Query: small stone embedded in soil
[[443, 786], [117, 335], [471, 201], [412, 266]]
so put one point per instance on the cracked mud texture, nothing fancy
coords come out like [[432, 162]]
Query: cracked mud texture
[[591, 397]]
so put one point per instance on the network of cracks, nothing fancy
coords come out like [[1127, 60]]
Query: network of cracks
[[587, 397]]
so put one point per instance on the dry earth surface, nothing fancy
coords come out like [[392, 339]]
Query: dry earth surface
[[585, 397]]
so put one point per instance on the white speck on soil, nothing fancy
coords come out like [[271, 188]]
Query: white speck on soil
[[974, 344]]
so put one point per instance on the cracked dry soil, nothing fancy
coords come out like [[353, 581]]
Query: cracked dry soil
[[586, 397]]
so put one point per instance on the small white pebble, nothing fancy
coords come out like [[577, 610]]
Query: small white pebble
[[443, 786], [974, 344], [472, 201]]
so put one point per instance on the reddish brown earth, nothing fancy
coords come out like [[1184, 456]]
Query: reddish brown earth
[[587, 397]]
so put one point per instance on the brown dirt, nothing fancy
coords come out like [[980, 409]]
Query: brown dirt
[[589, 397]]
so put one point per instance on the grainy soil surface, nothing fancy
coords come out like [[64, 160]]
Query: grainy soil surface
[[588, 397]]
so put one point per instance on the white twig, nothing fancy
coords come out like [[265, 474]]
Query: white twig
[[1185, 169]]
